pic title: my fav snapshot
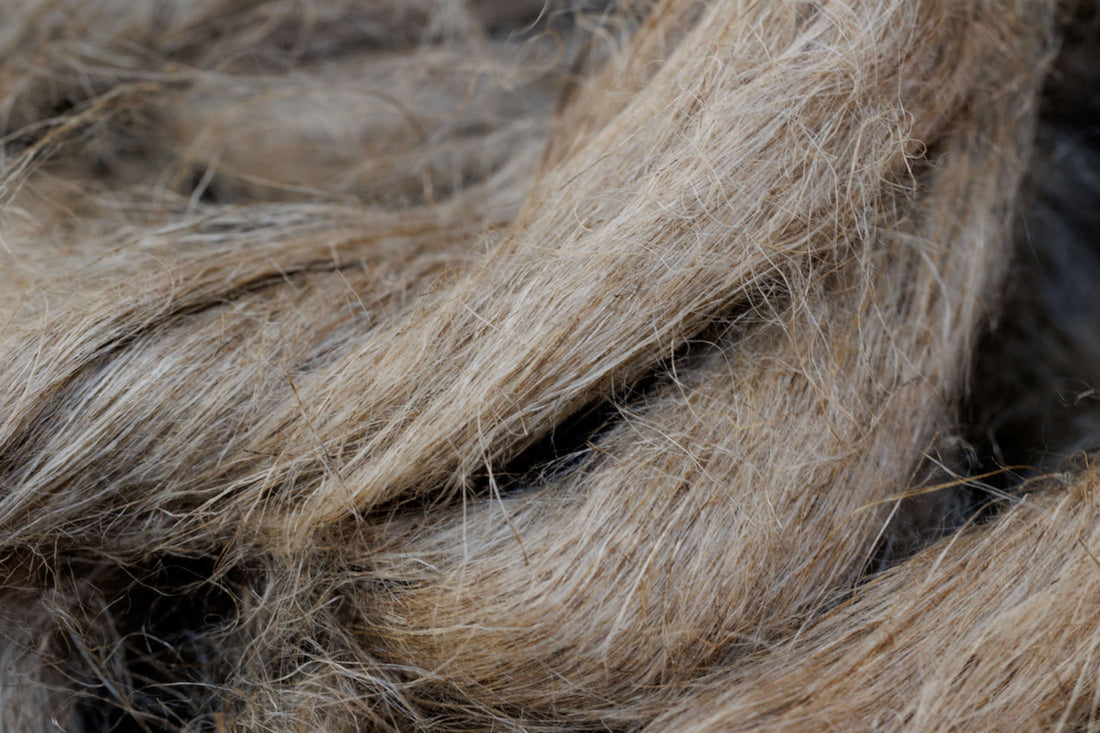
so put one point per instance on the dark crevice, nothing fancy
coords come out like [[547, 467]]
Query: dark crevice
[[1034, 404], [148, 660], [572, 441]]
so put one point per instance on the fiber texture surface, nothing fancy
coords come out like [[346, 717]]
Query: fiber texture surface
[[650, 365]]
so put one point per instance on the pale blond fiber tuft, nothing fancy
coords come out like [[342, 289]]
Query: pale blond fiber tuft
[[690, 365]]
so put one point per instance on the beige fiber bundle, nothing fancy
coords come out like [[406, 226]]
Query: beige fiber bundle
[[665, 365]]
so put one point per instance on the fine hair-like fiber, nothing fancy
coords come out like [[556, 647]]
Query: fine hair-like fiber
[[650, 365]]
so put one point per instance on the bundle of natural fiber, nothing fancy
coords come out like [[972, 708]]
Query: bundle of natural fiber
[[566, 365]]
